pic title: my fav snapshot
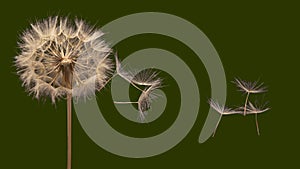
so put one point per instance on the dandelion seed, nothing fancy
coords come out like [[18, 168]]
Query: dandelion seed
[[255, 109], [63, 59], [222, 110], [249, 87], [126, 75], [248, 108], [146, 98], [148, 79]]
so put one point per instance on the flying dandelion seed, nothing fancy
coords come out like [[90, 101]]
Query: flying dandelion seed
[[255, 109], [222, 110], [249, 87], [126, 75], [147, 78], [147, 95], [58, 55], [248, 108]]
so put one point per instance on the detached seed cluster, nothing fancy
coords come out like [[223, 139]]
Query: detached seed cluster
[[248, 108]]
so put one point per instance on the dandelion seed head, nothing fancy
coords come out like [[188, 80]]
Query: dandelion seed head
[[58, 55], [250, 87]]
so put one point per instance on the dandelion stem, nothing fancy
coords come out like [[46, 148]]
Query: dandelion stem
[[69, 130], [246, 102], [67, 71], [257, 126]]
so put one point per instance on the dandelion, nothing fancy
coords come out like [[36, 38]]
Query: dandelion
[[222, 110], [249, 87], [255, 109], [147, 78], [60, 58]]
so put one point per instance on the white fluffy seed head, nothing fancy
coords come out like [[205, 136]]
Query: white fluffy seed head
[[59, 56]]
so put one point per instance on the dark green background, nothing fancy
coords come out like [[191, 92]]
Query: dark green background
[[254, 40]]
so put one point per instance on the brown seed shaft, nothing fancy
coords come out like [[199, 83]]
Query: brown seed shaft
[[67, 71], [69, 131]]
